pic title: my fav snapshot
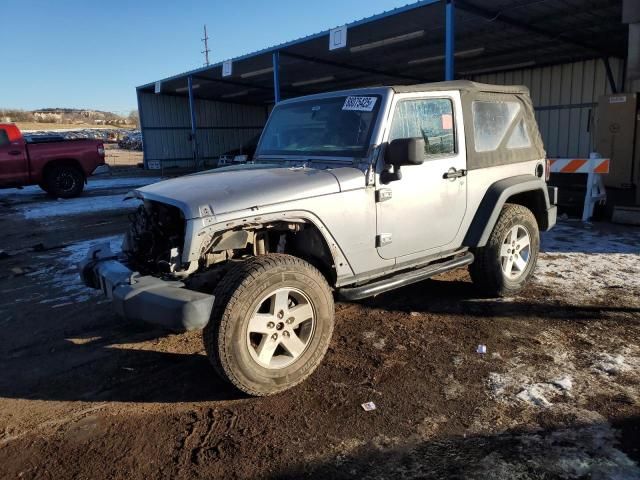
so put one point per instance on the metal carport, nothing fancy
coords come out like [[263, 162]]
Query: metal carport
[[191, 118]]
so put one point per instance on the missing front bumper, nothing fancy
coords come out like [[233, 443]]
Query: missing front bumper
[[144, 298]]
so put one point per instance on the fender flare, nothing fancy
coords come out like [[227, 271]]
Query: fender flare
[[494, 199]]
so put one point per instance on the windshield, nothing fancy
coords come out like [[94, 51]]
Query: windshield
[[336, 126]]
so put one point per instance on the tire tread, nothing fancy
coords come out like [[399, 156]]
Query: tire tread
[[228, 294]]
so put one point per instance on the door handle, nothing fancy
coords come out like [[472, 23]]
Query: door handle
[[453, 173], [14, 152]]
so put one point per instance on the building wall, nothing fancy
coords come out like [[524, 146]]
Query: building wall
[[566, 99], [166, 127]]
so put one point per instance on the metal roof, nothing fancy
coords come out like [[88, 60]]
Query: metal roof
[[406, 46]]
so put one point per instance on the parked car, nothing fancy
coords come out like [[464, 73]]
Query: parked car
[[355, 193], [60, 167]]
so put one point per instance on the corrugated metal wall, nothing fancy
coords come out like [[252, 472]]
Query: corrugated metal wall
[[166, 127], [566, 99]]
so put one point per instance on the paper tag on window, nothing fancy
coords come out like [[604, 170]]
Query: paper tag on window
[[447, 122], [360, 104]]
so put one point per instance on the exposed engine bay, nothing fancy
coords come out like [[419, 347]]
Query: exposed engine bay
[[156, 234]]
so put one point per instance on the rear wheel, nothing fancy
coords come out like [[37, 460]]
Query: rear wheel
[[271, 324], [63, 181], [506, 263]]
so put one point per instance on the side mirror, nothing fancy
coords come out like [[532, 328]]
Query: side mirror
[[405, 151], [402, 151]]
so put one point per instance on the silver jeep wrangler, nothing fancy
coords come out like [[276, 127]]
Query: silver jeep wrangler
[[352, 193]]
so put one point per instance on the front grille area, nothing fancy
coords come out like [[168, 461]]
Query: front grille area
[[155, 229]]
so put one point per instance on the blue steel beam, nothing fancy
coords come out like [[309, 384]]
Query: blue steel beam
[[450, 40], [276, 77], [192, 111]]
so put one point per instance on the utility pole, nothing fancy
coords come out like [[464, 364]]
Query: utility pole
[[206, 47]]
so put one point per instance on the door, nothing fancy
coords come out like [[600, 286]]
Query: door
[[423, 210], [13, 164]]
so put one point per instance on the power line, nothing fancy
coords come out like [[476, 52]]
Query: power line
[[206, 47]]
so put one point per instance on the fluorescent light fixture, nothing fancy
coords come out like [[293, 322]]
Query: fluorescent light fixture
[[387, 41], [512, 66], [313, 81], [436, 58], [184, 89], [236, 94], [255, 73]]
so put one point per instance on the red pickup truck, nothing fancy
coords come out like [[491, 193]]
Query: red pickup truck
[[60, 167]]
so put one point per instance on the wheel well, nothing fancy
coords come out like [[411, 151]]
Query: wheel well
[[534, 200], [65, 162], [300, 239]]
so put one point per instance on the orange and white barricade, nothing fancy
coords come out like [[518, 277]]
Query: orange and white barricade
[[594, 166]]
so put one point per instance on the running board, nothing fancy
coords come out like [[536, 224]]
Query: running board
[[405, 278]]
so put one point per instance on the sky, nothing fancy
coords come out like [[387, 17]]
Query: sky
[[92, 53]]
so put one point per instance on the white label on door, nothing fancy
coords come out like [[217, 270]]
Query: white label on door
[[360, 104], [618, 99]]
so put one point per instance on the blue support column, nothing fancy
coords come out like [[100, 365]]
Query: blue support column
[[276, 77], [192, 111], [450, 40]]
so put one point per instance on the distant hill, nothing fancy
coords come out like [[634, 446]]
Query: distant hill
[[69, 116]]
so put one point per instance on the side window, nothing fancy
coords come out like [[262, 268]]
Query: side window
[[491, 122], [429, 118], [4, 138]]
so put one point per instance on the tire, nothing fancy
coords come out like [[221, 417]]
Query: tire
[[258, 299], [63, 181], [495, 271]]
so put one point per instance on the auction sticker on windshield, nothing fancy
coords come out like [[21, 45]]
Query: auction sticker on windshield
[[360, 104]]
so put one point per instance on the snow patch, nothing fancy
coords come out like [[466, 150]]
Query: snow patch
[[93, 184], [75, 206], [121, 182], [578, 237], [587, 452], [62, 277], [580, 263], [614, 364]]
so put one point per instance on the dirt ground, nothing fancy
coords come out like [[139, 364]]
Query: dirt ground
[[117, 157], [84, 394]]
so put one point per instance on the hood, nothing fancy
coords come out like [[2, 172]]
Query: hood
[[217, 192]]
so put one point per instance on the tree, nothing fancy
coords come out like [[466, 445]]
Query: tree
[[134, 118]]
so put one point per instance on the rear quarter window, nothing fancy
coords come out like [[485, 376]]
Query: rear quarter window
[[492, 120]]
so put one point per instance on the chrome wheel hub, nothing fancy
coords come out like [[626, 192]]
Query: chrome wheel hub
[[515, 252], [281, 328]]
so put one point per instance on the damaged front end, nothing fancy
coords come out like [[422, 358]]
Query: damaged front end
[[140, 281]]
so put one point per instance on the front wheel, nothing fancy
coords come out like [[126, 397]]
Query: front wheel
[[506, 263], [271, 324]]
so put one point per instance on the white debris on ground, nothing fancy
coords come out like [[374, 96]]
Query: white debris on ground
[[61, 275], [578, 259]]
